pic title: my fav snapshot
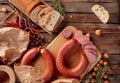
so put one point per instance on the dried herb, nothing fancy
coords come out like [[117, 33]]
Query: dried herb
[[57, 5]]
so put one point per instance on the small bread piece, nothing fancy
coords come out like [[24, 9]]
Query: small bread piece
[[53, 20], [31, 6], [42, 14], [34, 13], [101, 13]]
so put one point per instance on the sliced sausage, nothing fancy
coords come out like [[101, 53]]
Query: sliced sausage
[[90, 47], [67, 33], [70, 72], [82, 39], [90, 55], [88, 43], [78, 34]]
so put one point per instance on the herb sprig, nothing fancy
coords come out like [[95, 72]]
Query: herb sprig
[[99, 75], [57, 5]]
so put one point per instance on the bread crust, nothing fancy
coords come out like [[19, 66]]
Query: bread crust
[[20, 4], [34, 13], [31, 6], [42, 14], [47, 17], [45, 11]]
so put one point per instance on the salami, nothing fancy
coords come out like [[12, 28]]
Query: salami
[[67, 33], [87, 46], [90, 55], [83, 40], [90, 47]]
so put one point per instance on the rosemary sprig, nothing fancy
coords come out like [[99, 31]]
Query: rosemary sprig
[[101, 72], [57, 5], [99, 75]]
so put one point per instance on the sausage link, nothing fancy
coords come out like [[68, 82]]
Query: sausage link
[[70, 72], [50, 64], [29, 55]]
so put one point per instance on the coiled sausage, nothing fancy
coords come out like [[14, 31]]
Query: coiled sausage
[[70, 72]]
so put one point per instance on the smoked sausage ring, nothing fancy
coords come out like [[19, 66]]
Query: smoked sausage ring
[[70, 72]]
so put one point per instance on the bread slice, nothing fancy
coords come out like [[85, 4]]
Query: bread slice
[[31, 6], [34, 13], [52, 20], [101, 13], [46, 19], [42, 14]]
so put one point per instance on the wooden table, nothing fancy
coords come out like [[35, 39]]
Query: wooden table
[[79, 14]]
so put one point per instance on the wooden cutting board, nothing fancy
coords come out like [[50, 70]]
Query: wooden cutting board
[[72, 58]]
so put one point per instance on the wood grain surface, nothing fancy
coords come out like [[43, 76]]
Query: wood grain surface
[[79, 14]]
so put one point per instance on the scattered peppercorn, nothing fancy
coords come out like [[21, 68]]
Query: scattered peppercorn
[[106, 81], [105, 76], [88, 35], [101, 61], [105, 63], [4, 10], [98, 32], [106, 55]]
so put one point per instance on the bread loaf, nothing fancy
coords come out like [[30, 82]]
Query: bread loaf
[[31, 6], [34, 13], [53, 20], [40, 13], [101, 13]]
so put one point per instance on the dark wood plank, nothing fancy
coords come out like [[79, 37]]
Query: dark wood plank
[[114, 78], [86, 7], [114, 59], [87, 0], [88, 18], [90, 27], [3, 15], [115, 69]]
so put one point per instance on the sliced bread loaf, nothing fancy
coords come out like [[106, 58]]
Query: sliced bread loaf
[[35, 11], [52, 20], [41, 15], [32, 6], [101, 13]]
